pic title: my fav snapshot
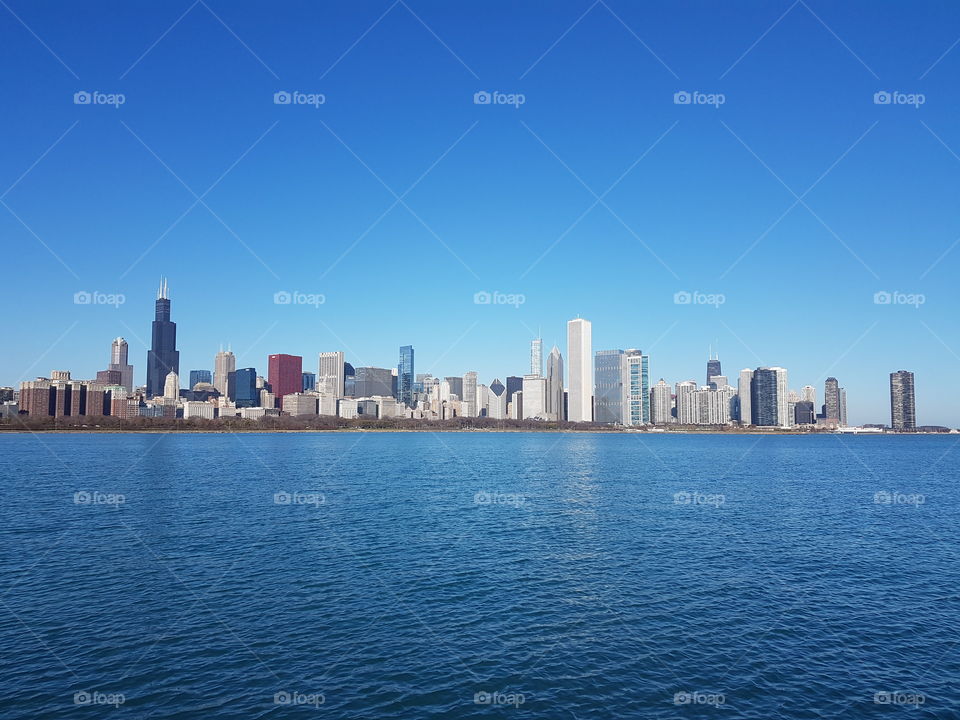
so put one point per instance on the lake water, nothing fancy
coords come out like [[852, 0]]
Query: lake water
[[472, 575]]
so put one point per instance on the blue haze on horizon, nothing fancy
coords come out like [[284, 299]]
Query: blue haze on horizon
[[295, 192]]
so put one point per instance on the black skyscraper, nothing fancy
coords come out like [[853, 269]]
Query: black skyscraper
[[163, 357], [713, 367]]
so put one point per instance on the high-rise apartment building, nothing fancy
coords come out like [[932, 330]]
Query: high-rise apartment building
[[554, 402], [744, 396], [637, 388], [769, 397], [285, 375], [580, 359], [831, 399], [405, 376], [903, 404], [163, 357], [331, 374], [688, 412], [661, 402], [610, 381]]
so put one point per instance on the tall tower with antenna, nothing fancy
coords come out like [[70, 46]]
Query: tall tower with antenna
[[163, 356]]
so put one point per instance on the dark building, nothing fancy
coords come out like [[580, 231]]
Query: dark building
[[309, 382], [163, 357], [285, 375], [245, 390], [608, 386], [713, 368], [903, 404], [456, 386], [803, 413], [200, 376], [349, 380], [405, 376], [370, 381], [515, 385], [831, 399], [109, 377], [763, 397]]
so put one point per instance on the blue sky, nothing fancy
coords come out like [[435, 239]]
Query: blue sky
[[693, 197]]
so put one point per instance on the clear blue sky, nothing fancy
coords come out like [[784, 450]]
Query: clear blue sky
[[295, 192]]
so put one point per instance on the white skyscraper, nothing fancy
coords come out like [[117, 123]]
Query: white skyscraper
[[783, 399], [223, 364], [118, 361], [687, 410], [330, 374], [497, 400], [171, 386], [809, 394], [660, 403], [536, 357], [554, 401], [743, 392], [580, 358], [534, 397]]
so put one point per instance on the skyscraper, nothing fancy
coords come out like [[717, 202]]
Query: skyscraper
[[610, 379], [405, 376], [223, 364], [580, 358], [554, 404], [536, 357], [660, 402], [285, 375], [309, 383], [713, 368], [769, 397], [331, 374], [171, 386], [497, 404], [469, 406], [246, 392], [903, 404], [371, 381], [199, 376], [843, 407], [637, 388], [118, 362], [745, 395], [831, 399], [688, 412], [534, 397], [162, 358]]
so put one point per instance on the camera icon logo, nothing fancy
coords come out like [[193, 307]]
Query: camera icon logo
[[482, 298], [682, 97], [282, 297], [482, 98], [882, 297], [482, 698], [682, 298], [282, 97], [82, 698], [81, 97], [882, 98], [282, 498], [82, 297]]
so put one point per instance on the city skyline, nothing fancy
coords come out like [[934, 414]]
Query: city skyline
[[604, 386]]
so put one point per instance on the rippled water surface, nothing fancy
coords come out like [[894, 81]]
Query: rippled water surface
[[462, 575]]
